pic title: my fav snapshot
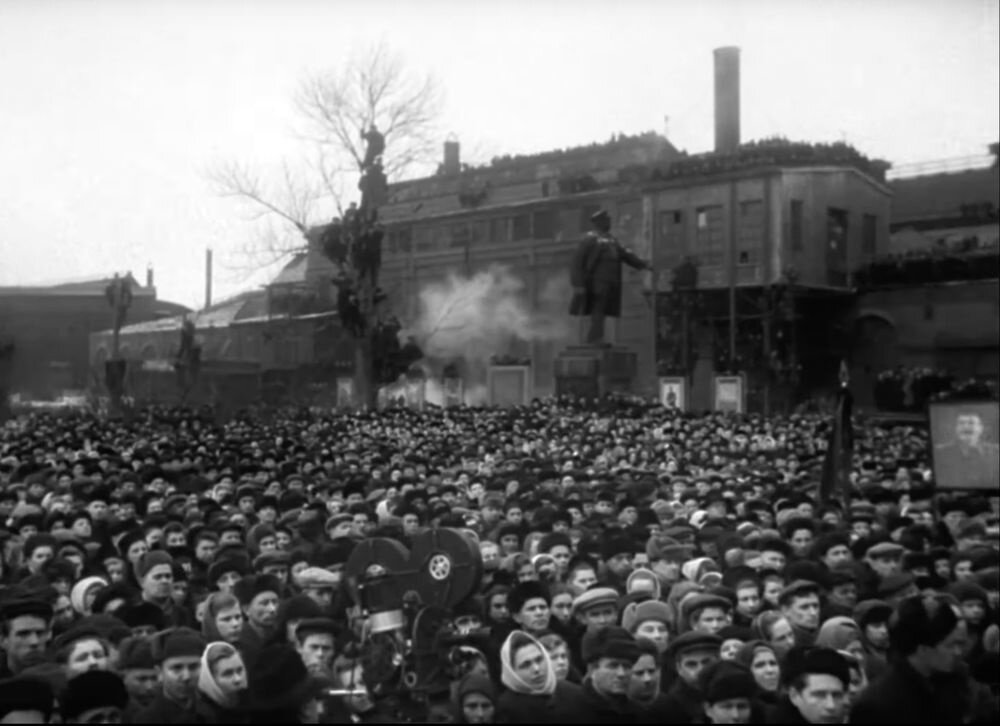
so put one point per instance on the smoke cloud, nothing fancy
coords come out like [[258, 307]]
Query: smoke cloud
[[474, 318]]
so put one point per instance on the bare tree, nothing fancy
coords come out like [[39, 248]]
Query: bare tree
[[372, 116], [374, 88]]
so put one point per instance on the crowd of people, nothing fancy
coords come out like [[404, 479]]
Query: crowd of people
[[902, 388], [638, 565]]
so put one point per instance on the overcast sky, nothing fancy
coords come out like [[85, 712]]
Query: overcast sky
[[111, 110]]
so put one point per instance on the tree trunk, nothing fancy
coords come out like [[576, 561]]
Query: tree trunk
[[365, 388]]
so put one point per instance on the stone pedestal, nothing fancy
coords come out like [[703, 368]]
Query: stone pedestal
[[591, 371], [509, 385]]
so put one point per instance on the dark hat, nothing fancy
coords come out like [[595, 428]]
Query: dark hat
[[600, 217], [74, 635], [695, 603], [270, 559], [316, 625], [142, 614], [225, 565], [251, 586], [135, 653], [894, 584], [278, 679], [884, 550], [740, 576], [796, 589], [525, 591], [618, 544], [872, 611], [774, 544], [152, 559], [20, 607], [26, 694], [177, 643], [299, 607], [726, 680], [811, 660], [609, 642], [90, 690], [694, 641]]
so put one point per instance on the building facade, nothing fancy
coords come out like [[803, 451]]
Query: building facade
[[50, 328]]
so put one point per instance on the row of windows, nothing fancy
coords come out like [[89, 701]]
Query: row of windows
[[542, 224], [710, 235]]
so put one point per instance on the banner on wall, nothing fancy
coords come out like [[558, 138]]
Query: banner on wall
[[729, 394], [673, 393]]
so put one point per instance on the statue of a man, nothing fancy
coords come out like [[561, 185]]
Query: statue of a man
[[596, 275], [119, 297], [375, 146]]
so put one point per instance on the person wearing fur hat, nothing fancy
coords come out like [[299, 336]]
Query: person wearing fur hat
[[259, 596], [529, 605], [26, 700], [280, 688], [728, 690], [608, 654], [139, 673], [94, 697], [650, 620], [817, 680]]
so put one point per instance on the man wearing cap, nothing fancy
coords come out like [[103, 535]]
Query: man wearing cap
[[596, 608], [799, 603], [315, 638], [26, 700], [609, 654], [530, 607], [25, 630], [817, 680], [705, 613], [691, 654], [872, 617], [177, 653]]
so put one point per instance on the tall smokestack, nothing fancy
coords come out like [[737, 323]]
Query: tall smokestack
[[452, 159], [727, 99], [208, 278], [149, 275]]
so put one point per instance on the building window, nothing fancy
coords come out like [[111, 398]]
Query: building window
[[459, 234], [543, 224], [709, 236], [521, 227], [751, 232], [671, 238], [795, 225], [499, 230], [869, 234]]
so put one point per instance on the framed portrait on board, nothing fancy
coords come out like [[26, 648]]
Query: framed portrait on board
[[673, 393], [345, 392], [965, 447], [729, 395]]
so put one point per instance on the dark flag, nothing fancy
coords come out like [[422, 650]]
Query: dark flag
[[836, 482]]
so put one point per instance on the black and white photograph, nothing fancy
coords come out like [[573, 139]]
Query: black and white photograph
[[499, 362], [966, 449]]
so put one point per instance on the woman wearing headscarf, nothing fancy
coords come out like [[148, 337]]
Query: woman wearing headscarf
[[532, 692], [841, 633], [82, 595], [222, 681], [764, 665]]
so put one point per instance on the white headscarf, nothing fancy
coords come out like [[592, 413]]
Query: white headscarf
[[78, 595], [206, 681], [509, 675]]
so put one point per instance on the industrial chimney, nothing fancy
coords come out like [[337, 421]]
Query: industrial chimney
[[727, 99], [149, 275], [452, 160], [208, 278]]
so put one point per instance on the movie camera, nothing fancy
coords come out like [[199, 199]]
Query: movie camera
[[411, 648]]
